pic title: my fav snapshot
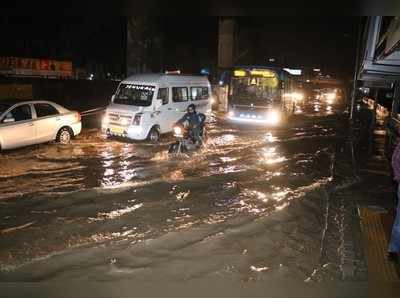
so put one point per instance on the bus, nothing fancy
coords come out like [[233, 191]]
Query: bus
[[260, 95]]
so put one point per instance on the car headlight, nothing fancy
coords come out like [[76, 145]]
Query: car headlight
[[231, 113], [273, 117]]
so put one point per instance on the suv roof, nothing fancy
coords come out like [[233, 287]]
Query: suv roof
[[165, 78]]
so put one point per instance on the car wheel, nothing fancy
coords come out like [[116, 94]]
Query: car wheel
[[154, 135], [64, 136]]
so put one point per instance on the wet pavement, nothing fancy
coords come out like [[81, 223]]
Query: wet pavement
[[254, 204]]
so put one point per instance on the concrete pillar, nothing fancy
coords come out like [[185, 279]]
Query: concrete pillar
[[223, 99], [226, 42]]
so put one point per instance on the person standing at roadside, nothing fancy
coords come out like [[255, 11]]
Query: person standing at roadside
[[394, 245]]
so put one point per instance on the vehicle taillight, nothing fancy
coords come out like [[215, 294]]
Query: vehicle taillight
[[78, 117], [136, 120]]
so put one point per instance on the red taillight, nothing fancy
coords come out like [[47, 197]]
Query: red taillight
[[78, 117]]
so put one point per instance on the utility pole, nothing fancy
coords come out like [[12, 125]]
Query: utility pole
[[353, 94]]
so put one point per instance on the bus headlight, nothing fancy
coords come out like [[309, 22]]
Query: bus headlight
[[297, 96], [273, 117], [331, 96], [300, 96]]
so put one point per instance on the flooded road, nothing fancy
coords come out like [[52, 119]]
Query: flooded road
[[252, 205]]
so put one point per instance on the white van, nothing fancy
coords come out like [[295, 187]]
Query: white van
[[147, 105]]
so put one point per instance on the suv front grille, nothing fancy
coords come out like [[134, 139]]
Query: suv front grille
[[118, 119]]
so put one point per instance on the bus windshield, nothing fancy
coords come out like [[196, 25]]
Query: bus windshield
[[134, 95], [255, 90]]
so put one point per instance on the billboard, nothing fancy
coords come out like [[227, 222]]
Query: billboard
[[35, 67]]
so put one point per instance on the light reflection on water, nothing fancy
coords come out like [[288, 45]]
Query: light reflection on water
[[246, 173], [118, 169], [271, 156], [269, 137], [116, 213]]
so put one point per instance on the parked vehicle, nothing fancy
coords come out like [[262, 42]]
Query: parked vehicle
[[24, 123], [148, 105]]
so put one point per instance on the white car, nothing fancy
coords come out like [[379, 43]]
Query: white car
[[24, 123]]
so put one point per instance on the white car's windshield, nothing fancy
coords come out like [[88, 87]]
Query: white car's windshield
[[134, 95]]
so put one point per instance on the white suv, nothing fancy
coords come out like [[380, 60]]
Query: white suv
[[147, 105], [24, 123]]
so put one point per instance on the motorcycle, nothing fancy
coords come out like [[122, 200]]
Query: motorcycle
[[185, 138]]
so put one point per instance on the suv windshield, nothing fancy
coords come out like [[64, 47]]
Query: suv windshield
[[134, 95]]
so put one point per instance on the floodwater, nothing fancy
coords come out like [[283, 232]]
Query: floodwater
[[252, 205]]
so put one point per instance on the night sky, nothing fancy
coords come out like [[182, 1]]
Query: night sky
[[189, 43]]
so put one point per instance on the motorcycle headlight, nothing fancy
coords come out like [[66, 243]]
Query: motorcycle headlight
[[177, 131]]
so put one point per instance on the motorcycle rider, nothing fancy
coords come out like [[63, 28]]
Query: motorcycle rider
[[195, 122]]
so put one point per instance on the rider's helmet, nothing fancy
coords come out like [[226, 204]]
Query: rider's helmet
[[191, 108]]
